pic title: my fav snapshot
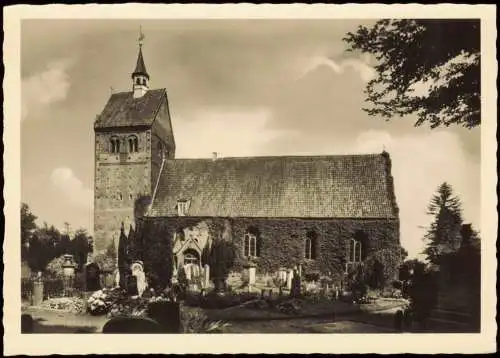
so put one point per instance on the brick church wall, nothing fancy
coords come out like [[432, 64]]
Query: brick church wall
[[282, 241]]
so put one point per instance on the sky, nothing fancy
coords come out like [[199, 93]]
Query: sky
[[236, 87]]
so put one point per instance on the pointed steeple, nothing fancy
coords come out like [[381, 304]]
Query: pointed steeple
[[140, 77], [140, 67]]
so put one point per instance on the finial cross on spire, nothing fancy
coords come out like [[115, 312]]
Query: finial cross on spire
[[141, 36]]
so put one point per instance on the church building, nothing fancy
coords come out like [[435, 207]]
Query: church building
[[324, 213]]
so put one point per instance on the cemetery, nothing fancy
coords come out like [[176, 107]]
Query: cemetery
[[123, 301]]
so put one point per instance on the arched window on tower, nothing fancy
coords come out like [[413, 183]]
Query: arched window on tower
[[138, 81], [114, 145], [133, 144]]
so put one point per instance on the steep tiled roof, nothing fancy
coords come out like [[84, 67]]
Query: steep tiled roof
[[124, 110], [346, 186]]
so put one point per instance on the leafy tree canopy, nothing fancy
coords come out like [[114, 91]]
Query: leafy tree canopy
[[430, 68]]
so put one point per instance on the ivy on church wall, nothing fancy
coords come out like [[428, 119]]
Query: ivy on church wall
[[281, 241]]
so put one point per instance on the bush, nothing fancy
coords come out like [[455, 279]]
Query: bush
[[293, 306], [55, 267], [221, 260], [101, 302], [312, 277], [194, 320]]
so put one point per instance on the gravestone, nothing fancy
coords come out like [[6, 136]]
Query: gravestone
[[251, 275], [92, 277], [37, 295], [68, 266], [289, 279], [296, 288], [206, 277], [131, 325], [282, 274], [138, 271], [117, 278]]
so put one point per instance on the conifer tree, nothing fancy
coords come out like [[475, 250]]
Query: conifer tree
[[444, 233]]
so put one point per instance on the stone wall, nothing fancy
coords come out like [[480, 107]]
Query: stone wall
[[282, 241], [120, 178]]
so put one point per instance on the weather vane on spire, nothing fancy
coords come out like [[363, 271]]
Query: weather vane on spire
[[141, 36]]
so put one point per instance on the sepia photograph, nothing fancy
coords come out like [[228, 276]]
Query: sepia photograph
[[252, 176]]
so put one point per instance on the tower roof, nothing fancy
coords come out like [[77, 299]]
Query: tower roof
[[140, 67]]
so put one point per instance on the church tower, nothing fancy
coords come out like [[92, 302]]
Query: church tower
[[133, 140]]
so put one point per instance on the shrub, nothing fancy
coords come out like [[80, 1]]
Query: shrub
[[194, 320], [293, 306], [221, 260], [312, 277], [101, 302], [182, 281], [55, 267], [381, 267]]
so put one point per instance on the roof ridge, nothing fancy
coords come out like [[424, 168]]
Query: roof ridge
[[149, 90], [155, 114], [289, 156]]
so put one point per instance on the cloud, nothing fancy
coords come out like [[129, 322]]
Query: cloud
[[44, 88], [359, 65], [229, 133], [71, 187], [420, 163]]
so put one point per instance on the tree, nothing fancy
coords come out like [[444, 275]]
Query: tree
[[80, 247], [64, 245], [404, 254], [408, 266], [123, 258], [444, 233], [381, 267], [441, 58], [221, 259], [28, 226]]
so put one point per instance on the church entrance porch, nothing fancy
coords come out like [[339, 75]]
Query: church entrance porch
[[192, 266]]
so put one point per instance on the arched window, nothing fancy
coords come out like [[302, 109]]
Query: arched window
[[250, 249], [114, 145], [355, 251], [120, 196], [138, 81], [133, 144], [310, 245]]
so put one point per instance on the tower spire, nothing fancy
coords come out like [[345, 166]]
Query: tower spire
[[140, 76]]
